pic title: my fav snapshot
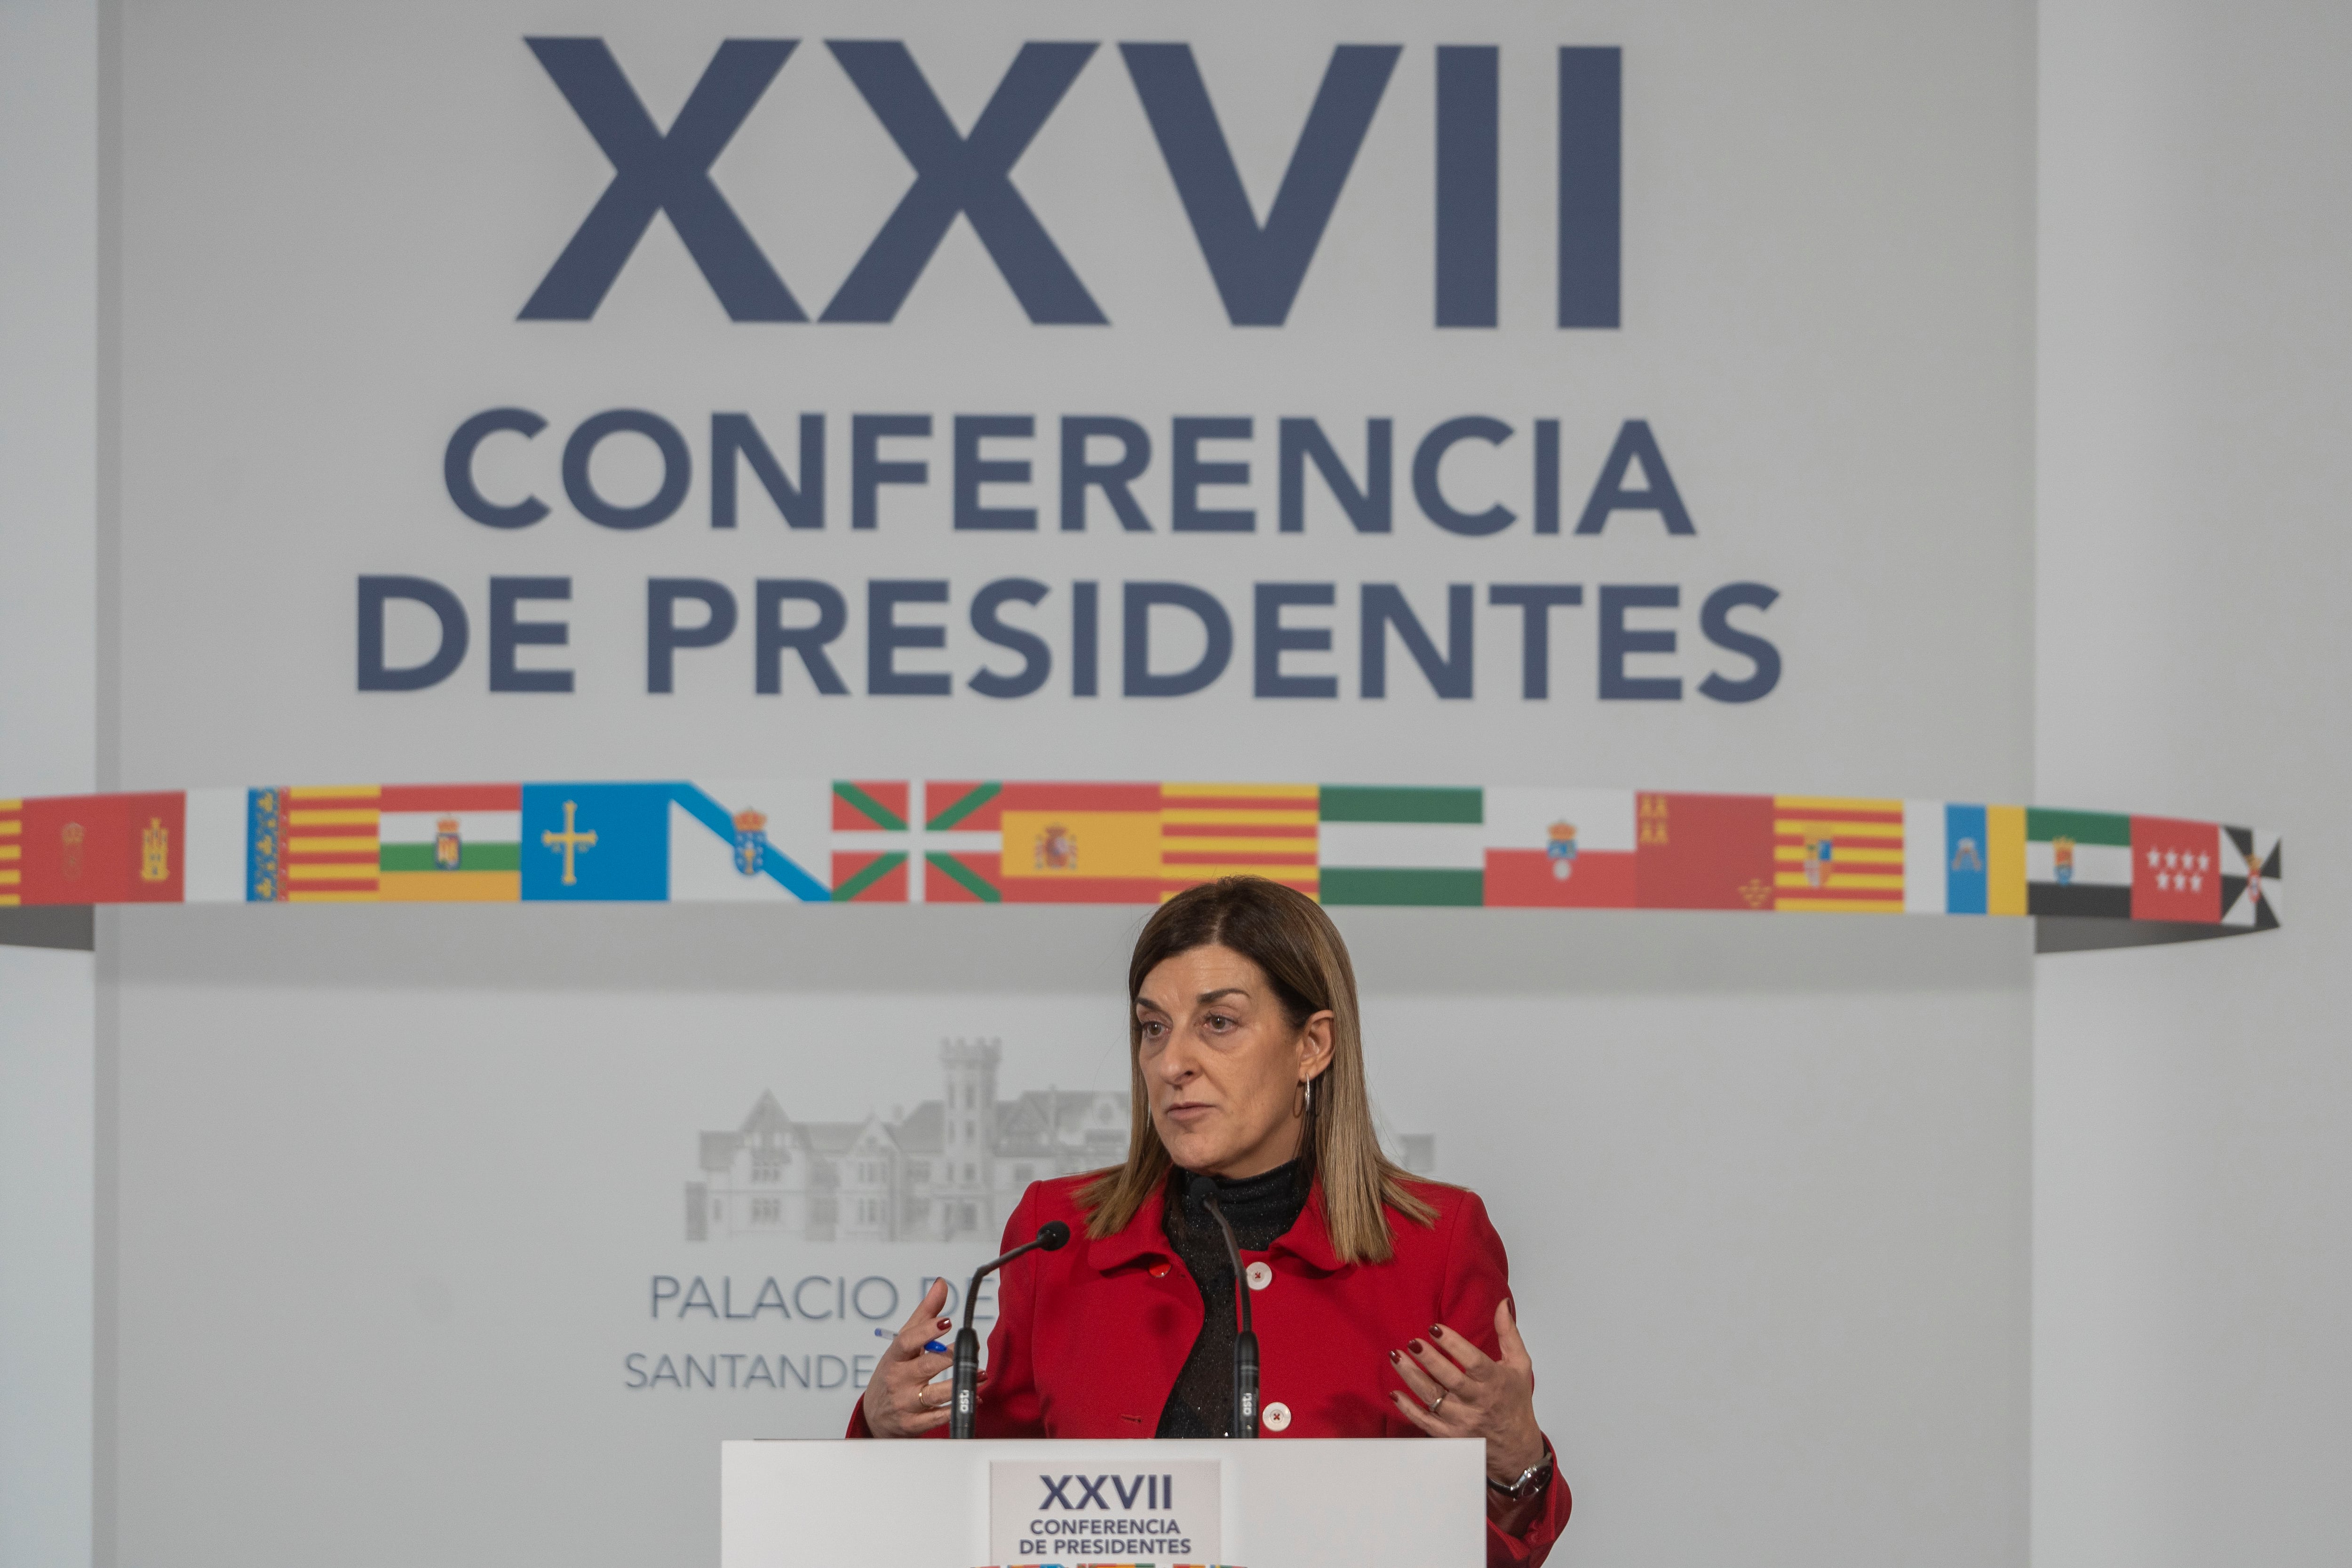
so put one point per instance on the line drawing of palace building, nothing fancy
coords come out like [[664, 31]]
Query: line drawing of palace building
[[953, 1167]]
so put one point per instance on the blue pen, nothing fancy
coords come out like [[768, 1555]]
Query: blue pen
[[932, 1346]]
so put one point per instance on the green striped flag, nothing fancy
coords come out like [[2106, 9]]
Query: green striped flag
[[2078, 863], [1392, 844]]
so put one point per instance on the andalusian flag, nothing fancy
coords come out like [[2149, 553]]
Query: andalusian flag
[[1836, 855], [449, 843], [1395, 845]]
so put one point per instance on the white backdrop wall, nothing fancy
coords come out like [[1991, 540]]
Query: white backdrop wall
[[2193, 1182], [49, 469], [398, 1188]]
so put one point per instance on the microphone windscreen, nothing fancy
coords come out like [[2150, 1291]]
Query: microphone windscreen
[[1053, 1236], [1200, 1189]]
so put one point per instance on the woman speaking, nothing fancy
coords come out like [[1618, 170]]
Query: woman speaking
[[1381, 1303]]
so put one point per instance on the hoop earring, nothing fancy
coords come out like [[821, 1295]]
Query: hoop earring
[[1304, 1101]]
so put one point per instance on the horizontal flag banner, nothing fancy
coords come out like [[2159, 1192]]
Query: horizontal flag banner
[[1015, 842]]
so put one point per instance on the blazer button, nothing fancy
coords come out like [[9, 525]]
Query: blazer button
[[1274, 1416], [1259, 1275]]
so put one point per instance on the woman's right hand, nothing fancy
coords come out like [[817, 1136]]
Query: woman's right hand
[[901, 1400]]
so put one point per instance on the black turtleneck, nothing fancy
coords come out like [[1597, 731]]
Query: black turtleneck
[[1260, 1208]]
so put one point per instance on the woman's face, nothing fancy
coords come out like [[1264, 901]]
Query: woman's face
[[1222, 1063]]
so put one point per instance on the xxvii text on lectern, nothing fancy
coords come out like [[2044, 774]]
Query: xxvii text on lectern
[[1369, 1502]]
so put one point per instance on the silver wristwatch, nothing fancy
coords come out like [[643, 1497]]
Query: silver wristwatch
[[1531, 1479]]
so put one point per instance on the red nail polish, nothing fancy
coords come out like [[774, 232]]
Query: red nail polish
[[1437, 1331], [1415, 1346], [1392, 1356]]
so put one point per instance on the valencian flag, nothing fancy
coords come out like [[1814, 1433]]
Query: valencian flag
[[2252, 877], [1560, 848], [2078, 863], [2176, 870], [449, 843], [97, 848], [1394, 845], [1836, 855], [870, 841], [312, 844], [737, 839], [1703, 851]]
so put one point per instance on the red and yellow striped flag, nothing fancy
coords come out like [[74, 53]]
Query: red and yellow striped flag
[[1212, 830], [331, 848], [1837, 855], [11, 852]]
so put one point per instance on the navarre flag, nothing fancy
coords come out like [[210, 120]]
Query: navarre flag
[[2253, 874], [870, 840], [1080, 843], [1212, 830], [1837, 855], [1703, 851], [449, 843], [12, 853], [2176, 870], [731, 840], [1383, 844], [99, 849], [596, 842], [1559, 848], [2078, 863], [964, 842]]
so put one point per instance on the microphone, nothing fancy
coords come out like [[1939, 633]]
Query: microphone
[[1245, 1421], [1052, 1237]]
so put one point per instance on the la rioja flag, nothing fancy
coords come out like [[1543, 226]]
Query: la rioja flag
[[2176, 870]]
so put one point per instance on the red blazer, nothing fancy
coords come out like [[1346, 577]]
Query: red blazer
[[1324, 1330]]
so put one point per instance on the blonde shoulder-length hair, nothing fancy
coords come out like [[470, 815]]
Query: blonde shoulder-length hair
[[1286, 934]]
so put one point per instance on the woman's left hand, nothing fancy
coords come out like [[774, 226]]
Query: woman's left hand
[[1459, 1391]]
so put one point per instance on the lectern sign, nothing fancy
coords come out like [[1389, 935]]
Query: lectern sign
[[1171, 1511]]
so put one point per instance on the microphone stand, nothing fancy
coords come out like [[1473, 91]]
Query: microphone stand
[[1245, 1417], [963, 1409]]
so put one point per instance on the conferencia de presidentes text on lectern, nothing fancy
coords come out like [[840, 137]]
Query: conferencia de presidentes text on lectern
[[921, 1505]]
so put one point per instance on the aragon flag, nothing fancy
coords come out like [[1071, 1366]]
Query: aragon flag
[[1837, 855]]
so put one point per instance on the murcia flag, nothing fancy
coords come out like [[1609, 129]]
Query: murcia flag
[[2078, 863], [2176, 870], [1703, 851], [449, 843], [1837, 855], [1560, 848], [2251, 877], [1384, 844]]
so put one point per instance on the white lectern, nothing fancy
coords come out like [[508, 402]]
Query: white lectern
[[1272, 1503]]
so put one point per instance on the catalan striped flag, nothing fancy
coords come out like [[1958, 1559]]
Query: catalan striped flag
[[1833, 854], [330, 843], [1212, 830], [12, 853]]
